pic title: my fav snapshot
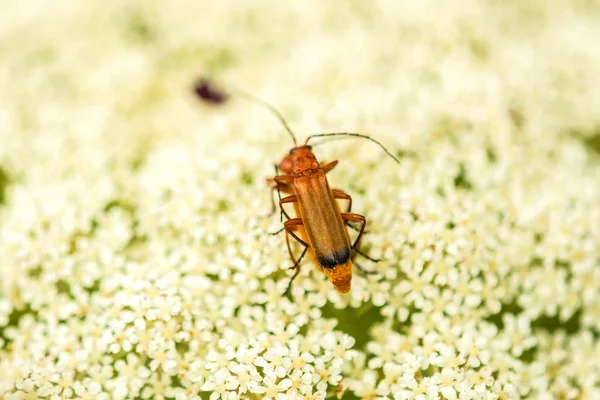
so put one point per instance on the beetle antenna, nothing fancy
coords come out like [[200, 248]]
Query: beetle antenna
[[209, 93], [358, 135], [272, 109]]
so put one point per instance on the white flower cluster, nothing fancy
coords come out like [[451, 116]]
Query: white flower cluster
[[135, 259]]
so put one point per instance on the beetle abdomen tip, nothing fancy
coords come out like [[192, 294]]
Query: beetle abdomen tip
[[340, 276]]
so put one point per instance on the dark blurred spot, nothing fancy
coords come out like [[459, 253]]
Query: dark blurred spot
[[208, 93], [247, 177], [35, 272], [479, 49], [517, 117], [491, 155], [404, 153], [501, 216], [507, 308], [223, 205], [4, 181], [347, 320], [590, 139], [554, 323], [461, 180], [63, 287], [118, 204], [529, 355], [593, 142]]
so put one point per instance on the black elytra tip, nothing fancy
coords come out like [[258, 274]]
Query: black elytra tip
[[332, 260], [208, 93]]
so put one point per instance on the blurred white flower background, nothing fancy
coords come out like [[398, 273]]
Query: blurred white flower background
[[135, 258]]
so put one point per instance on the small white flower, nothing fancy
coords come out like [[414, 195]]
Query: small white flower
[[89, 390], [246, 376], [275, 361], [272, 388], [220, 384]]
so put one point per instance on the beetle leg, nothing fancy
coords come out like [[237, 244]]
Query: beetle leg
[[273, 207], [289, 247], [285, 179], [290, 226], [279, 187], [329, 166], [362, 270], [340, 194], [277, 232], [289, 286], [353, 227], [356, 218], [289, 199], [375, 260], [276, 186], [281, 182]]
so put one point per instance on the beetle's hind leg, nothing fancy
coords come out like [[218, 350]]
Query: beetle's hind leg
[[277, 232], [352, 217], [375, 260], [340, 194], [353, 227], [289, 286], [363, 222]]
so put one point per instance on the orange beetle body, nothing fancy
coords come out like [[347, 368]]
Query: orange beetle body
[[321, 224]]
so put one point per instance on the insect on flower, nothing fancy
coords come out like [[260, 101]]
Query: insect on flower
[[319, 226]]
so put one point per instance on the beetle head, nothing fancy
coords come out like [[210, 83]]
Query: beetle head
[[299, 159]]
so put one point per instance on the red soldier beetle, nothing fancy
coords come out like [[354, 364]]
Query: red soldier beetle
[[319, 221]]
